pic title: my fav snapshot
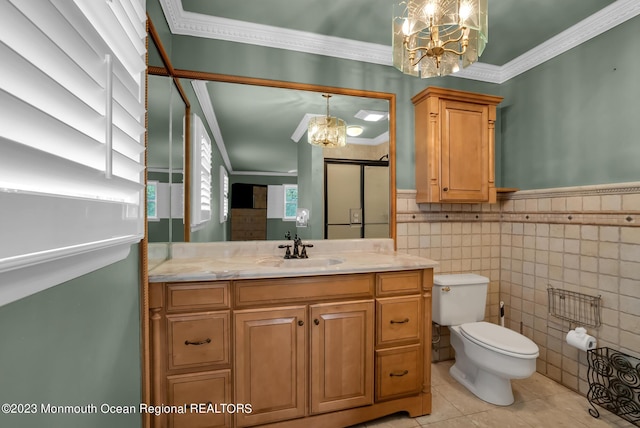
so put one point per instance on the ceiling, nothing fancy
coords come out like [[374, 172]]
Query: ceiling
[[519, 39]]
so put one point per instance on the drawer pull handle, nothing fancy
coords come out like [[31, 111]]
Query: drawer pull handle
[[404, 372], [202, 342], [404, 321]]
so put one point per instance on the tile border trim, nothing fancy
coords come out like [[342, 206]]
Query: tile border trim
[[505, 211]]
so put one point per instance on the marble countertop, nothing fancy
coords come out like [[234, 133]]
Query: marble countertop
[[263, 259]]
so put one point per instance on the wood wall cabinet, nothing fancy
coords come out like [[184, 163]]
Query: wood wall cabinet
[[318, 351], [455, 146]]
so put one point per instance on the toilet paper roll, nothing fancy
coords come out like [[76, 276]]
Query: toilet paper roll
[[579, 338]]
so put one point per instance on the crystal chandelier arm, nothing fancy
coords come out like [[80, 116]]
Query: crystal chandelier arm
[[464, 36], [429, 50]]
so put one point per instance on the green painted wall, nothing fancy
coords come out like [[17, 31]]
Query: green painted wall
[[216, 56], [574, 120], [77, 343], [555, 127]]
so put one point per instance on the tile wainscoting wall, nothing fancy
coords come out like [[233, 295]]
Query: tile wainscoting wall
[[584, 239]]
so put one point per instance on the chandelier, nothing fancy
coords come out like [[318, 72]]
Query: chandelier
[[438, 37], [327, 131]]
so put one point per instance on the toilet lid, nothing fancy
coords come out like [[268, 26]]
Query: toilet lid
[[499, 338]]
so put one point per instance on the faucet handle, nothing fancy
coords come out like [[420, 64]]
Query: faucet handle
[[287, 254], [303, 254]]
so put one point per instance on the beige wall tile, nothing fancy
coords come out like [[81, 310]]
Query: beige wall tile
[[631, 202], [611, 202], [591, 203], [574, 203], [559, 204], [630, 235], [610, 233]]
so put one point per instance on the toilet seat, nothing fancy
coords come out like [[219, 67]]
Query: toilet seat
[[500, 339]]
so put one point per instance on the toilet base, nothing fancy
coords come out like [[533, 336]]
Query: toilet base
[[486, 386]]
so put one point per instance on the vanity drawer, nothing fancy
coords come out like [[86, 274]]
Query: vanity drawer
[[197, 296], [398, 320], [398, 372], [198, 339], [202, 388], [394, 283], [302, 289]]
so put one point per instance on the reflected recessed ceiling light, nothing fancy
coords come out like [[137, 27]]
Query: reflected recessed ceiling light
[[371, 115], [354, 130]]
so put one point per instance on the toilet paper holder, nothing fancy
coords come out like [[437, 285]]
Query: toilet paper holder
[[579, 338]]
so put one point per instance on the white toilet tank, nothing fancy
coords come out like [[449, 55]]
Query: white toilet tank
[[459, 298]]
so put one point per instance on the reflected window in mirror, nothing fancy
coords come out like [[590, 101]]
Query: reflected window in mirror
[[201, 178], [152, 201], [290, 201], [224, 194]]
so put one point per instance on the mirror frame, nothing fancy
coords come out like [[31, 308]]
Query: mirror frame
[[169, 71]]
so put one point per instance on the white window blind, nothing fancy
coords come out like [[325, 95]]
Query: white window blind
[[72, 138], [201, 174], [224, 194]]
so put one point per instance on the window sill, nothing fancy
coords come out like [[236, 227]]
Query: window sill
[[30, 274]]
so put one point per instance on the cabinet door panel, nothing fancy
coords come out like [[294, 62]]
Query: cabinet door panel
[[464, 151], [341, 356], [201, 389], [270, 364]]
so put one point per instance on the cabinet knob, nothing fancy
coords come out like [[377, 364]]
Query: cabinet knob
[[316, 321], [445, 189], [300, 323]]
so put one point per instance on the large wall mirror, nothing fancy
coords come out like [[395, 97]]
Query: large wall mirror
[[258, 134]]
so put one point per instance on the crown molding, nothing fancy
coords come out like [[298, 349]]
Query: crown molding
[[198, 25], [212, 27], [603, 20], [202, 94]]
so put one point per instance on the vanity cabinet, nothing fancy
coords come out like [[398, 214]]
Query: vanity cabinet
[[455, 146], [316, 351]]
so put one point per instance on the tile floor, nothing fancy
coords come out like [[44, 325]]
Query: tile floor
[[540, 402]]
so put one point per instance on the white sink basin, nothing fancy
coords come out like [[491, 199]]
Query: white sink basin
[[299, 263]]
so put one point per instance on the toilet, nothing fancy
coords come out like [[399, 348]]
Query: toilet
[[487, 356]]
